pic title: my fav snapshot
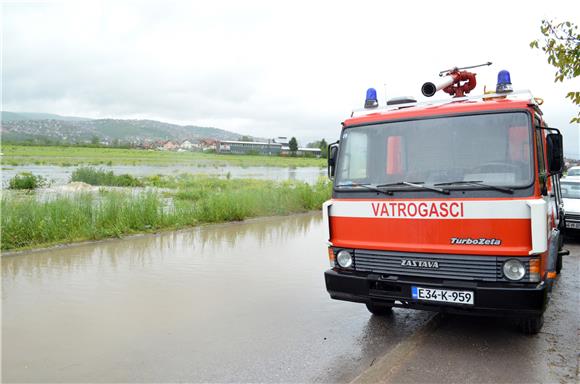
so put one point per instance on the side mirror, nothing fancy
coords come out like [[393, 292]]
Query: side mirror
[[332, 155], [555, 153]]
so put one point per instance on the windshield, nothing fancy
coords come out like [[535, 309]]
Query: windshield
[[491, 148], [574, 172], [570, 190]]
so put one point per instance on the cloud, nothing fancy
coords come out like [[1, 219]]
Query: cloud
[[263, 68]]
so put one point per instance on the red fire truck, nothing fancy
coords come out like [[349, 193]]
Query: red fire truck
[[450, 206]]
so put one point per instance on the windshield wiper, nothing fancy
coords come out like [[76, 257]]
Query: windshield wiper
[[418, 184], [480, 184], [370, 187]]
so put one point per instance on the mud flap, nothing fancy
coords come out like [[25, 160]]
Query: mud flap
[[552, 257]]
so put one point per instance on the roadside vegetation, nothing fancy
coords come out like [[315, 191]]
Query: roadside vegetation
[[68, 156], [191, 200]]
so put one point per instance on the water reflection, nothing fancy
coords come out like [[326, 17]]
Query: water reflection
[[210, 240], [242, 302]]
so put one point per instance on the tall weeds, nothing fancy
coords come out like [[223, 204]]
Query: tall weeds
[[27, 222]]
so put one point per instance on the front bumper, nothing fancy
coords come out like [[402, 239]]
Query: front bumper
[[503, 299], [572, 220]]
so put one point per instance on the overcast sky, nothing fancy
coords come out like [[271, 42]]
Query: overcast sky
[[266, 68]]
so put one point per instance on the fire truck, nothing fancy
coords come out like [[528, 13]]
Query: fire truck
[[450, 206]]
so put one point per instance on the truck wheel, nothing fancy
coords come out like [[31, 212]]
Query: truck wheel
[[532, 325], [379, 309]]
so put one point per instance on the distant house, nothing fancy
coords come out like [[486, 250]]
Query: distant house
[[316, 152], [246, 147], [313, 152], [170, 146], [187, 145], [282, 140], [208, 144]]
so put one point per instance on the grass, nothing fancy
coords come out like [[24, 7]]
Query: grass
[[27, 222], [67, 156], [93, 176]]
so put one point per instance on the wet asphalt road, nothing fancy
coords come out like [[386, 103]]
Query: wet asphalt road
[[463, 349], [246, 302]]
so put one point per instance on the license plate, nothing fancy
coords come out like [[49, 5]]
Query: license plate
[[573, 225], [442, 295]]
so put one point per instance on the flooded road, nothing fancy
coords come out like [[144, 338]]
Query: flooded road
[[237, 302]]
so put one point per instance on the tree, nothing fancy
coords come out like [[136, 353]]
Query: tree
[[561, 42], [323, 148], [314, 144], [246, 138], [293, 144], [320, 144]]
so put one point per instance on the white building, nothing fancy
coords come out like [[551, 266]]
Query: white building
[[187, 145], [281, 140]]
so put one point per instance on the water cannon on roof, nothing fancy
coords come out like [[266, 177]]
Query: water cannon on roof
[[455, 81]]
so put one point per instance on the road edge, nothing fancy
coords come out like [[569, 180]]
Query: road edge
[[147, 233], [380, 371]]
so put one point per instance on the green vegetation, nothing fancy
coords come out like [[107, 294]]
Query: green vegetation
[[55, 155], [27, 222], [93, 176], [26, 180], [322, 145]]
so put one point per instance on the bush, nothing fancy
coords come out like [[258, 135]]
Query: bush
[[95, 176], [26, 180]]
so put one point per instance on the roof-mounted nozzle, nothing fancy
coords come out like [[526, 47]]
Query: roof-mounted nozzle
[[455, 81]]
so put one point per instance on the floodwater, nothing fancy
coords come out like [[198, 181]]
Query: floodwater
[[61, 175], [240, 302]]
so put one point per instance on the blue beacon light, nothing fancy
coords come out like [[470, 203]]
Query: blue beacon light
[[371, 99], [504, 82]]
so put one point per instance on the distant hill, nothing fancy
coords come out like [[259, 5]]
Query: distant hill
[[20, 126], [19, 116]]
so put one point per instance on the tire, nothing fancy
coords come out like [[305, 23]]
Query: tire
[[380, 309], [532, 325]]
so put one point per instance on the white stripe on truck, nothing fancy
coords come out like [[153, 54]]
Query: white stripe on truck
[[433, 209]]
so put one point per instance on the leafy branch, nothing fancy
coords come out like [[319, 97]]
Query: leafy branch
[[561, 43]]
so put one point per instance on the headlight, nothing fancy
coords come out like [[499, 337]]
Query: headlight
[[514, 269], [344, 259]]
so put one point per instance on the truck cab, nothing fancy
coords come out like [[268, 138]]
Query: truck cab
[[450, 206]]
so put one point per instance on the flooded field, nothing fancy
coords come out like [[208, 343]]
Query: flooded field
[[234, 302], [61, 175]]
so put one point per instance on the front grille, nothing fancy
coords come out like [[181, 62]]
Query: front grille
[[572, 217], [461, 267]]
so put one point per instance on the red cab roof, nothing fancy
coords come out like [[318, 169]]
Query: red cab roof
[[370, 116]]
